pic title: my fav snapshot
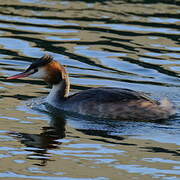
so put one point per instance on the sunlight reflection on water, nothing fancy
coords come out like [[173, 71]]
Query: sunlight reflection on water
[[101, 44]]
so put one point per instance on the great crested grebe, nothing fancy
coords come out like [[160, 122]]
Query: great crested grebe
[[102, 102]]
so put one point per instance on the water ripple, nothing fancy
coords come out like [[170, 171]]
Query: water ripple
[[129, 43]]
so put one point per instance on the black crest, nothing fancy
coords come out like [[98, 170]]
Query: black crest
[[41, 62]]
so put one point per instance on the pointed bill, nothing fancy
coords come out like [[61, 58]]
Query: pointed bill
[[17, 76]]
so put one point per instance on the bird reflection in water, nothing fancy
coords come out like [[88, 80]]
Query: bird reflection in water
[[39, 144]]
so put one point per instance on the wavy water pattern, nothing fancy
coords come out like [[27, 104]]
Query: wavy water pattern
[[115, 43]]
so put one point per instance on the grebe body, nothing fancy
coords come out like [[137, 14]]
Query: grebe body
[[102, 102]]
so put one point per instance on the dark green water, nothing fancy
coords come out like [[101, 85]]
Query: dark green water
[[130, 44]]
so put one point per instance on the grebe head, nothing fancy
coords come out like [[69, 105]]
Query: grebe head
[[44, 68]]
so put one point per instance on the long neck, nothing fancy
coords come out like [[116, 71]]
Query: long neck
[[59, 91]]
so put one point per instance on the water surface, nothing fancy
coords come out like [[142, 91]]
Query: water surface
[[130, 44]]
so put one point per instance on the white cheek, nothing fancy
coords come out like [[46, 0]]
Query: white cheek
[[40, 74]]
